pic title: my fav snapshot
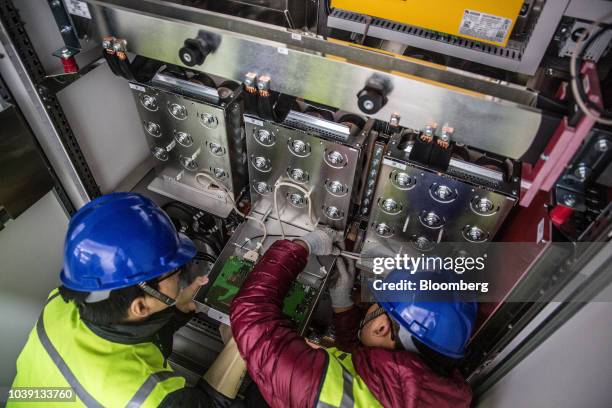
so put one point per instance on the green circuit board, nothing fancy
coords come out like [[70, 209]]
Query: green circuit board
[[296, 305]]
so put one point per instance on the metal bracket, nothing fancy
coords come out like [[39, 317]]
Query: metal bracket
[[65, 26], [563, 145]]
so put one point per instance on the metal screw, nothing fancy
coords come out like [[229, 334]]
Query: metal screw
[[333, 212], [383, 229], [368, 104], [446, 133], [66, 29], [430, 129], [55, 3], [216, 149], [582, 172], [335, 157], [570, 200], [298, 146], [389, 205], [336, 187], [395, 119], [261, 187], [602, 145]]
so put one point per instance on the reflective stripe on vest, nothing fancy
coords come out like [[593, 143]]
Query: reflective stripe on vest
[[61, 364], [352, 392], [136, 374]]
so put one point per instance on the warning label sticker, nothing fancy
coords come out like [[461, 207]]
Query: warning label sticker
[[485, 26], [78, 8]]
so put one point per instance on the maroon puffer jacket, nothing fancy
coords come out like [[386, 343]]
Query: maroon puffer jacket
[[289, 372]]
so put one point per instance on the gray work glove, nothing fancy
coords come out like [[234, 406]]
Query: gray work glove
[[342, 283], [321, 241]]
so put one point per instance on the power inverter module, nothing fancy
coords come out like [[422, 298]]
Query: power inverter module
[[481, 20]]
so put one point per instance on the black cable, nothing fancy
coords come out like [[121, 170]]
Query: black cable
[[203, 256], [214, 245], [579, 83]]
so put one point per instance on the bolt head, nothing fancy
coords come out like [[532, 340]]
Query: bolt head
[[570, 200], [368, 104], [602, 145]]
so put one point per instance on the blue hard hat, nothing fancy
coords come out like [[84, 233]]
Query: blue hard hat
[[119, 240], [443, 326]]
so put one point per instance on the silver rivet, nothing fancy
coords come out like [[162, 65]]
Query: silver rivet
[[482, 205], [153, 129], [219, 172], [383, 229], [333, 212], [390, 205], [178, 111], [160, 153], [299, 175], [262, 187], [335, 157], [189, 163], [216, 149], [149, 102], [265, 137], [183, 138], [297, 199]]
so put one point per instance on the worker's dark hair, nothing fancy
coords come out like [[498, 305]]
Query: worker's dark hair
[[109, 311], [442, 365]]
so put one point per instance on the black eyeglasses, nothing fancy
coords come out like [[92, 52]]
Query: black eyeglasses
[[149, 290], [394, 325]]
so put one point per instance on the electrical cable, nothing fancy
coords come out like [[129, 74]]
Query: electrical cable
[[247, 240], [307, 193], [574, 71], [229, 197], [350, 255], [203, 256]]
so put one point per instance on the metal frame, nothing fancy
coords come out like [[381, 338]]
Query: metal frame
[[563, 145], [500, 117], [22, 72], [587, 276]]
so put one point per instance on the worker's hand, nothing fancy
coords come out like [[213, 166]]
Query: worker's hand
[[342, 283], [321, 241], [184, 300]]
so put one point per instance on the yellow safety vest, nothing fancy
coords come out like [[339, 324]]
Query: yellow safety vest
[[342, 386], [63, 352]]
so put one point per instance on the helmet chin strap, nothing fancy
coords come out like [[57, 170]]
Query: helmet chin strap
[[156, 294]]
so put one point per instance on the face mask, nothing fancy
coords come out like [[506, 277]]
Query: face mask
[[137, 332]]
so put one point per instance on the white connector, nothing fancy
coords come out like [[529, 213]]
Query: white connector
[[251, 255]]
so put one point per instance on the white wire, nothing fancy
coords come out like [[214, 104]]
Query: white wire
[[350, 255], [575, 77], [229, 197], [307, 193]]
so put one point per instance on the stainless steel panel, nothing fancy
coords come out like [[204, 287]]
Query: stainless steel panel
[[25, 94], [189, 136], [410, 216], [310, 68], [275, 160]]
